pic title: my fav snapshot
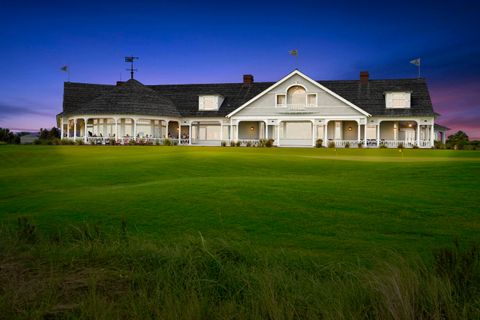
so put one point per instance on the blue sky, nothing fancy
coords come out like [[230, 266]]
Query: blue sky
[[197, 42]]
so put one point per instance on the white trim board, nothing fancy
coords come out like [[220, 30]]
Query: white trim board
[[291, 74]]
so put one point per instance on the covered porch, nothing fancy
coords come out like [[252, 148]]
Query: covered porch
[[209, 133], [343, 133], [105, 130], [407, 133], [300, 132]]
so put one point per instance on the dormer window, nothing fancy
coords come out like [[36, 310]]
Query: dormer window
[[209, 102], [397, 100]]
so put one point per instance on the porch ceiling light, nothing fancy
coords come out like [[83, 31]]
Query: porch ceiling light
[[410, 125], [349, 128], [252, 128]]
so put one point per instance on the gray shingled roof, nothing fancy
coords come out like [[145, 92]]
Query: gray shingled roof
[[174, 100], [130, 97]]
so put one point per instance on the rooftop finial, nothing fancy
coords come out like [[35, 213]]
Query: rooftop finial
[[131, 69]]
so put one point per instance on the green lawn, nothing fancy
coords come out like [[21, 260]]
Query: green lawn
[[336, 204]]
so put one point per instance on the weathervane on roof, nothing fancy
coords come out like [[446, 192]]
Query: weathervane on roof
[[131, 69], [294, 53]]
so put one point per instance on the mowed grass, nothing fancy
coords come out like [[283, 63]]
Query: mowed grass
[[91, 232], [342, 204]]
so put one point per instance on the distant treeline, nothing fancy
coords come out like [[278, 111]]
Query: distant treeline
[[7, 136], [459, 141], [44, 135]]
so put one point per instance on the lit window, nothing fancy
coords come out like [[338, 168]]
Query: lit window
[[296, 95]]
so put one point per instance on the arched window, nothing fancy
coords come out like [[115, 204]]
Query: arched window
[[296, 95]]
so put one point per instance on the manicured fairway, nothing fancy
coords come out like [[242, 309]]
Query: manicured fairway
[[340, 204]]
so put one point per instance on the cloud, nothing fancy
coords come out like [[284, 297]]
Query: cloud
[[9, 110]]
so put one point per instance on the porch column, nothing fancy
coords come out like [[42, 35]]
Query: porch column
[[85, 120], [61, 129], [278, 133], [325, 134], [365, 134], [378, 135], [179, 132], [314, 133], [231, 131], [116, 129], [134, 128], [166, 129], [395, 131], [74, 129], [190, 133], [105, 129], [358, 131], [266, 130], [221, 131], [432, 135], [236, 131], [418, 134]]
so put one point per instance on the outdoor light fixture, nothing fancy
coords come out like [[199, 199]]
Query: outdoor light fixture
[[410, 125], [349, 128], [252, 128]]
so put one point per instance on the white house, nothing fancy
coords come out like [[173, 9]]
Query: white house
[[294, 111]]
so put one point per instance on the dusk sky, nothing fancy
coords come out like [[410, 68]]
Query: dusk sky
[[203, 42]]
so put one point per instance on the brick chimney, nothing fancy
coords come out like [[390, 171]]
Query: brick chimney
[[247, 79], [364, 77]]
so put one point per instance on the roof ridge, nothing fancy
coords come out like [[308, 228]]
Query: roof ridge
[[236, 83]]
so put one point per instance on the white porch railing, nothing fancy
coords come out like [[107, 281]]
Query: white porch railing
[[405, 143], [425, 144], [128, 140], [296, 107]]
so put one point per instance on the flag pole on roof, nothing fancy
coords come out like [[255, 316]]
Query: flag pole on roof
[[294, 53], [66, 69], [131, 69], [417, 62]]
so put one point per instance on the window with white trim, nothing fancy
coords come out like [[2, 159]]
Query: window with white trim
[[311, 100], [397, 100], [296, 95], [209, 102], [281, 100]]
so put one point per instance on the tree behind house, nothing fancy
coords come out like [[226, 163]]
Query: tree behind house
[[457, 140]]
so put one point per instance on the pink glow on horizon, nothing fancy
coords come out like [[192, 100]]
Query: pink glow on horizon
[[459, 106]]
